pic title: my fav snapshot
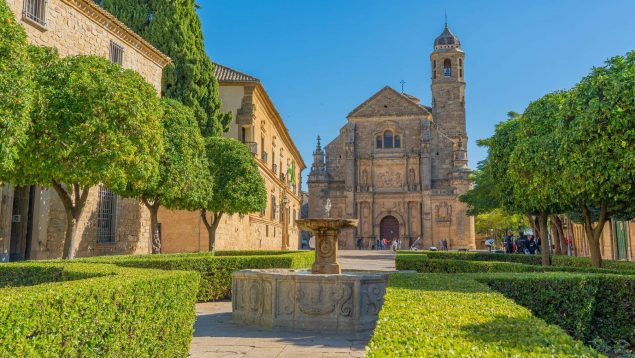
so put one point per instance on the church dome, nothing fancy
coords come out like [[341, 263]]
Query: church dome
[[447, 40]]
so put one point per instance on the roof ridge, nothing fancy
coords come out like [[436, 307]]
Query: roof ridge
[[228, 74], [378, 93]]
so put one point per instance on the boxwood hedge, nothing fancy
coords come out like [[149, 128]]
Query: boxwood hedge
[[95, 310], [587, 306], [441, 315], [215, 270], [565, 261], [423, 263]]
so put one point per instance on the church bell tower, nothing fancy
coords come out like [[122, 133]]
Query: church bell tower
[[448, 84]]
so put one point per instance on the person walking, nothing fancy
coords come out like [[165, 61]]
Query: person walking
[[359, 243], [531, 245], [489, 243], [509, 243]]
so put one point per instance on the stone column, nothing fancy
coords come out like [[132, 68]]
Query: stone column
[[326, 252]]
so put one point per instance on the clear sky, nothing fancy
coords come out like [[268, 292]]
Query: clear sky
[[320, 59]]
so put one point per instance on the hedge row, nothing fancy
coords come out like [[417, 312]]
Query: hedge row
[[422, 263], [567, 261], [215, 271], [440, 315], [586, 306], [104, 310]]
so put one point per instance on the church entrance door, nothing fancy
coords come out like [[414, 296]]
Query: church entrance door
[[389, 228]]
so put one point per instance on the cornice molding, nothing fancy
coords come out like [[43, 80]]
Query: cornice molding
[[109, 22]]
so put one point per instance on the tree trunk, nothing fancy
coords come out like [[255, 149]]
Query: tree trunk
[[545, 251], [74, 203], [533, 221], [155, 238], [556, 236], [562, 238], [211, 227], [594, 233]]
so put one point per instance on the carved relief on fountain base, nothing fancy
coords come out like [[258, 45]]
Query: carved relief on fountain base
[[298, 300]]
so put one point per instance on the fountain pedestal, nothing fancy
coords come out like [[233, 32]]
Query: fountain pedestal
[[326, 232]]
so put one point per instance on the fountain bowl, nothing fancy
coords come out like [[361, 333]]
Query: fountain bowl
[[300, 300]]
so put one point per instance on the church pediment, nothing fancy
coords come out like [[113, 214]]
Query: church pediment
[[388, 102]]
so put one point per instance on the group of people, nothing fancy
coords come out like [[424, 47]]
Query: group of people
[[380, 244], [521, 244]]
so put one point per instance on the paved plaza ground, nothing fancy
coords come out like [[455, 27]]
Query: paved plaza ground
[[217, 336]]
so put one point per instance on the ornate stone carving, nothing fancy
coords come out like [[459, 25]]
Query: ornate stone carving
[[443, 212], [317, 300], [390, 179], [373, 299]]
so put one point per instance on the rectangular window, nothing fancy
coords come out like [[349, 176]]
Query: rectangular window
[[106, 216], [35, 10], [273, 207], [116, 53]]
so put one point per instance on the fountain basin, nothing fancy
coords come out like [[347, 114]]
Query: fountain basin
[[300, 300]]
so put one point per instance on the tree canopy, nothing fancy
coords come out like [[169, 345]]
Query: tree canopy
[[15, 88], [183, 180], [93, 122], [175, 28], [238, 185]]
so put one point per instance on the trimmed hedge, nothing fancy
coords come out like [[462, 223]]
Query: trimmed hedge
[[215, 271], [421, 263], [116, 312], [256, 252], [586, 306], [440, 315], [564, 261]]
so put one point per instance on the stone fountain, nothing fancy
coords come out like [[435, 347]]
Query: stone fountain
[[323, 299]]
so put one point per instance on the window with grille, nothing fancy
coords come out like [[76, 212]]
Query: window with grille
[[107, 216], [273, 207], [116, 53], [35, 10]]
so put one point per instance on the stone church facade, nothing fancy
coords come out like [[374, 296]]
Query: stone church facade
[[399, 166]]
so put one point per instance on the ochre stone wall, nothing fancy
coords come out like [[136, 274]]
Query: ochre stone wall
[[183, 231]]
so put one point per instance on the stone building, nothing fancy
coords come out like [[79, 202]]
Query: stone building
[[258, 124], [399, 166], [32, 219]]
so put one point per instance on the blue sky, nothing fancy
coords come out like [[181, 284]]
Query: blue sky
[[319, 59]]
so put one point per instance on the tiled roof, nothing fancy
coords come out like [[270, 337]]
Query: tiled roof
[[226, 74]]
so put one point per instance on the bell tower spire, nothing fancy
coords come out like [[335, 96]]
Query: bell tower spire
[[448, 84]]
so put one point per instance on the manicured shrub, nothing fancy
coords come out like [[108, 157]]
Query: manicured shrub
[[116, 313], [563, 261], [441, 315], [586, 306], [215, 271], [421, 263], [254, 252]]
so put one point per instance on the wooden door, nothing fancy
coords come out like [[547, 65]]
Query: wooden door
[[389, 228]]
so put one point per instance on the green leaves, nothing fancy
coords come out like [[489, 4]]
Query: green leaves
[[175, 29], [16, 89], [238, 185], [94, 122]]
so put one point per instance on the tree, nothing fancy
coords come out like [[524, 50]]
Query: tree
[[182, 181], [598, 142], [535, 169], [93, 122], [497, 222], [238, 186], [175, 29], [483, 197], [16, 88]]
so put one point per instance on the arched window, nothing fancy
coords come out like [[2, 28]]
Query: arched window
[[379, 142], [397, 141], [447, 67], [388, 139]]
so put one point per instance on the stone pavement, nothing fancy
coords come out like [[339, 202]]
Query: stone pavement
[[217, 336]]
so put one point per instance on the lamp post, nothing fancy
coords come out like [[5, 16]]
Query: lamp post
[[285, 223]]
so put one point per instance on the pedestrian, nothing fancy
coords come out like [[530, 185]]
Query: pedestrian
[[522, 243], [359, 243], [539, 245], [509, 243], [489, 243], [377, 244], [531, 245], [445, 245], [395, 245]]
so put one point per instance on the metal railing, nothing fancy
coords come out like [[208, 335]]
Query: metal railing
[[35, 10]]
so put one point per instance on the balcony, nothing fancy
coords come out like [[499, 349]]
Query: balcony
[[253, 147]]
